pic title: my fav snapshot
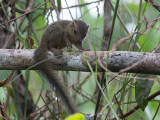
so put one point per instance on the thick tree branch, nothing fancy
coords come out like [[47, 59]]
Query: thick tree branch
[[148, 63]]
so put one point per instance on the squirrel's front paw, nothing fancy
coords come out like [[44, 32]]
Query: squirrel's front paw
[[69, 48], [57, 52]]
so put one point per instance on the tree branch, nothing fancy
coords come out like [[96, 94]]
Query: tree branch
[[149, 63], [137, 107]]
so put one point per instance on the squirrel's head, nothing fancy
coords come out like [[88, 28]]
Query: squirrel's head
[[79, 30]]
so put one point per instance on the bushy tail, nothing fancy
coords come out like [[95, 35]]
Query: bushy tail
[[46, 68]]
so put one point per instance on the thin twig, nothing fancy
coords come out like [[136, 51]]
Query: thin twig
[[154, 4], [145, 30], [137, 107], [156, 112], [81, 5], [27, 12], [69, 10]]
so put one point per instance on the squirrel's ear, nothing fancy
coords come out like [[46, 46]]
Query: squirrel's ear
[[87, 26]]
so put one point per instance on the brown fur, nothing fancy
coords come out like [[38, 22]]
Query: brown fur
[[57, 36]]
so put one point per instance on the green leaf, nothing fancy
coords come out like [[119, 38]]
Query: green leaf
[[149, 41], [145, 7], [4, 74], [142, 90]]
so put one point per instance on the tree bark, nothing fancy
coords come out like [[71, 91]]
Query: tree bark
[[135, 62]]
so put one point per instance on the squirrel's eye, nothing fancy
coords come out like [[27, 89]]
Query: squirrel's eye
[[75, 31]]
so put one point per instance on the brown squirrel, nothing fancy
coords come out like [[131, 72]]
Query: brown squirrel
[[57, 36]]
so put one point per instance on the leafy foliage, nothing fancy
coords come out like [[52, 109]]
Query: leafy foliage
[[142, 91]]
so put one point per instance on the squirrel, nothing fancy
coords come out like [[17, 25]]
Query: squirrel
[[58, 35]]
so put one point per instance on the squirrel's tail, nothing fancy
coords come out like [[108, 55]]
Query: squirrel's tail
[[46, 68], [60, 88]]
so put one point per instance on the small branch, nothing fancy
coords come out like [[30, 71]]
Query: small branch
[[154, 4], [156, 112], [27, 12], [142, 32], [137, 107], [81, 5]]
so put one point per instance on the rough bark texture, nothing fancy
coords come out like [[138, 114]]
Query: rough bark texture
[[148, 63]]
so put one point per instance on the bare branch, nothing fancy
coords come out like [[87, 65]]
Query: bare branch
[[14, 59]]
